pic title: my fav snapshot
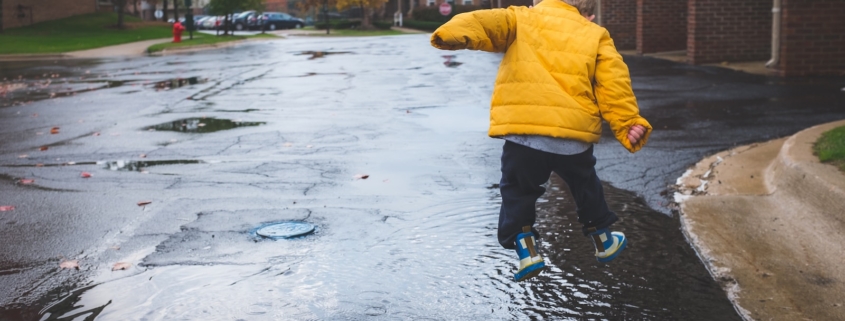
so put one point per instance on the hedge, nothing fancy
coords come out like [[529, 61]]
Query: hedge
[[338, 24], [432, 13], [352, 24], [384, 25], [422, 25]]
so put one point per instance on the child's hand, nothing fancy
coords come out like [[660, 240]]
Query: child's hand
[[635, 134]]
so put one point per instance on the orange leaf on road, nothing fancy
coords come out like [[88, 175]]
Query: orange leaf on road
[[54, 130], [25, 181], [85, 175], [362, 176], [121, 266], [43, 148], [69, 264], [6, 208], [142, 203]]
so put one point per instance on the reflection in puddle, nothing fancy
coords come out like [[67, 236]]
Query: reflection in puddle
[[178, 82], [202, 125], [139, 166], [321, 54], [450, 63]]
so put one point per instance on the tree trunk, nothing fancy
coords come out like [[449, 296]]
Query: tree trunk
[[164, 11], [176, 10], [121, 11], [135, 8], [365, 18]]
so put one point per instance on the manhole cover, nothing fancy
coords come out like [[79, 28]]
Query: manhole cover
[[285, 230]]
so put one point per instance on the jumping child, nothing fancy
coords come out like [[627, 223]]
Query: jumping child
[[560, 76]]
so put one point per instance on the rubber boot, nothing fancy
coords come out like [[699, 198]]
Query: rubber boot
[[530, 262], [608, 244]]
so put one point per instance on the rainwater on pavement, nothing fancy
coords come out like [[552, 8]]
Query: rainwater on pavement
[[377, 142]]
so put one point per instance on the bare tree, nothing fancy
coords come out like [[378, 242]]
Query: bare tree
[[121, 10]]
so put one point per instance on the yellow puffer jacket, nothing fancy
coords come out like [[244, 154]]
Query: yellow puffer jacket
[[560, 76]]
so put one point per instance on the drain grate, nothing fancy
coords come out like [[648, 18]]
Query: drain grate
[[285, 230]]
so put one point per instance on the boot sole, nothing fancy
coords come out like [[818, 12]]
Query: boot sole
[[529, 272], [613, 256]]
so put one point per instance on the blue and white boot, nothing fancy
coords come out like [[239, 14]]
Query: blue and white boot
[[608, 244], [530, 262]]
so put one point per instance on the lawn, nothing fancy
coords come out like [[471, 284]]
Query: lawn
[[79, 33], [203, 39], [831, 147]]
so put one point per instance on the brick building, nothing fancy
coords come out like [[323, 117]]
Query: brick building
[[18, 13], [810, 38]]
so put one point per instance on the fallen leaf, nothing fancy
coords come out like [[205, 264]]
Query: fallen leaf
[[69, 264], [309, 146], [25, 181], [115, 247], [43, 148], [143, 156], [143, 203], [96, 134], [408, 111], [85, 175], [39, 165], [145, 172], [201, 125], [121, 266], [71, 163], [23, 156], [362, 176], [6, 208], [54, 130], [288, 144]]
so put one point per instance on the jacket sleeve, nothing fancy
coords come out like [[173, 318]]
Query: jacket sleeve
[[615, 96], [488, 30]]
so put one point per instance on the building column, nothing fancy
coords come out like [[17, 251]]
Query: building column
[[812, 38]]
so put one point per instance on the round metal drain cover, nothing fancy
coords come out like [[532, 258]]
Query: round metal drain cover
[[286, 230]]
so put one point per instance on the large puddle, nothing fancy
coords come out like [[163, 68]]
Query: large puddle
[[410, 268]]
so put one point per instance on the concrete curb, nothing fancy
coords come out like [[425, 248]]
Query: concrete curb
[[798, 171], [764, 219]]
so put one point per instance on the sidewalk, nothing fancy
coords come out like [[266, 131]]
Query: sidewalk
[[768, 220]]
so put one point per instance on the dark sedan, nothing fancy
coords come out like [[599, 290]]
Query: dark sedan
[[280, 20]]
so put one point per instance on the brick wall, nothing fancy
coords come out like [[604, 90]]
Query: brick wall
[[661, 25], [729, 30], [813, 37], [620, 19], [42, 10]]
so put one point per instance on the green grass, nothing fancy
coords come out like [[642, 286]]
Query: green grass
[[204, 39], [78, 33], [831, 147]]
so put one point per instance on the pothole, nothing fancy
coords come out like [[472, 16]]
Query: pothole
[[321, 54], [202, 125], [139, 166], [178, 82]]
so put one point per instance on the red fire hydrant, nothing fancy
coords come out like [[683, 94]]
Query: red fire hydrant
[[177, 32]]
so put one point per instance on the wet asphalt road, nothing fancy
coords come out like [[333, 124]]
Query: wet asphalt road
[[223, 141]]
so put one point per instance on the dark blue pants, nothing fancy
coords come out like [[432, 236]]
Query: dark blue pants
[[525, 169]]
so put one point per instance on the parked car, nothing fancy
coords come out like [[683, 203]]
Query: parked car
[[244, 21], [201, 21], [279, 20]]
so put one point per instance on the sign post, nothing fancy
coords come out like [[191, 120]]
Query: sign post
[[445, 8]]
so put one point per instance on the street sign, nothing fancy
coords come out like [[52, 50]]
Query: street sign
[[159, 14], [445, 8]]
